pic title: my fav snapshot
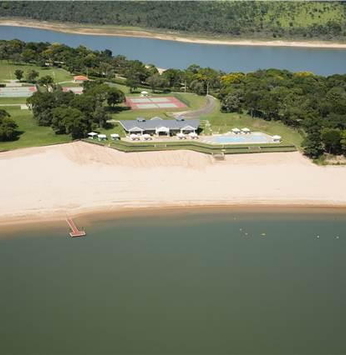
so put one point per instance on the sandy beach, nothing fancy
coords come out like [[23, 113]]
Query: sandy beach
[[66, 180], [167, 36]]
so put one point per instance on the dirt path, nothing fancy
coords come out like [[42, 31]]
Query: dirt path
[[209, 107]]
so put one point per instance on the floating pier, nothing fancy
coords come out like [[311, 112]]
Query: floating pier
[[75, 231]]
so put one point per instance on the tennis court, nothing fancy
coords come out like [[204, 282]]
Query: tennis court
[[146, 103], [17, 91]]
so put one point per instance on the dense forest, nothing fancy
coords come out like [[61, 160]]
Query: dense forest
[[253, 19], [313, 104]]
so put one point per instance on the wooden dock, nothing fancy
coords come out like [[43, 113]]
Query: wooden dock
[[75, 231]]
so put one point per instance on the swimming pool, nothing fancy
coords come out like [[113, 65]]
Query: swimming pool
[[252, 138]]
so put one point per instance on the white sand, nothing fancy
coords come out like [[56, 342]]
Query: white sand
[[80, 177]]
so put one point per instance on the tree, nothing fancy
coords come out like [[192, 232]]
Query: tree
[[312, 145], [132, 83], [8, 127], [232, 102], [343, 142], [46, 81], [157, 81], [68, 120], [100, 116], [32, 75], [331, 138], [19, 74], [115, 96]]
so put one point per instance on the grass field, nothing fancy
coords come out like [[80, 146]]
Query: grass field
[[12, 100], [7, 71], [33, 135]]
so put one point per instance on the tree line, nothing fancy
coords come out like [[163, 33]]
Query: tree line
[[250, 19], [68, 113], [313, 104]]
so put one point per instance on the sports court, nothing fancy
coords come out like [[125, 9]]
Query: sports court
[[17, 91], [150, 103]]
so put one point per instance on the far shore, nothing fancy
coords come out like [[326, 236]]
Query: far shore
[[80, 179], [97, 30]]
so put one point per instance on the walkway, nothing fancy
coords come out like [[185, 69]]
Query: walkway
[[206, 110]]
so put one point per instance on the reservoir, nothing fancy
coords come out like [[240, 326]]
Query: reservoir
[[187, 282], [170, 54]]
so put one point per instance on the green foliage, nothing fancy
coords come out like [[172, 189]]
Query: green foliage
[[331, 139], [68, 120], [115, 96], [19, 74], [157, 81], [31, 76], [72, 114], [8, 127], [251, 19], [302, 100], [46, 81]]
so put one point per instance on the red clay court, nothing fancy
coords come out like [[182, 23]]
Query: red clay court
[[150, 103]]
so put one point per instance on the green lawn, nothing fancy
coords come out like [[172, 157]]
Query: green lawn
[[12, 100], [7, 71], [33, 135]]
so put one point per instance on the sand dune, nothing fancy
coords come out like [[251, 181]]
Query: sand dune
[[80, 177]]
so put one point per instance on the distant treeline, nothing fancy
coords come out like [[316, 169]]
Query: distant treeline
[[253, 19], [315, 105]]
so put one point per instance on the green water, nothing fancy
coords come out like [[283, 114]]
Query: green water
[[190, 283]]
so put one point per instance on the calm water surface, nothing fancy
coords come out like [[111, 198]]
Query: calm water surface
[[191, 283], [170, 54]]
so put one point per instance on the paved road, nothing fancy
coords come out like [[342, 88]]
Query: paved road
[[207, 109]]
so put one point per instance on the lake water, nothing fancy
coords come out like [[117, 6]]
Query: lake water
[[194, 282], [170, 54]]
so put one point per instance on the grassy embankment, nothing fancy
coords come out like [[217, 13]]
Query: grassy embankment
[[31, 134], [34, 135]]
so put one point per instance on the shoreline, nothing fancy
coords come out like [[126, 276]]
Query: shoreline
[[108, 213], [82, 180], [73, 28]]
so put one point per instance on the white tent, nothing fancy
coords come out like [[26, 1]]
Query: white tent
[[236, 130], [115, 136], [144, 93], [193, 135], [246, 130], [92, 135], [276, 139], [134, 137], [181, 135], [147, 137], [101, 137]]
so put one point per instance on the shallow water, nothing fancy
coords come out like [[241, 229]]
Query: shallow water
[[170, 54], [195, 282]]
